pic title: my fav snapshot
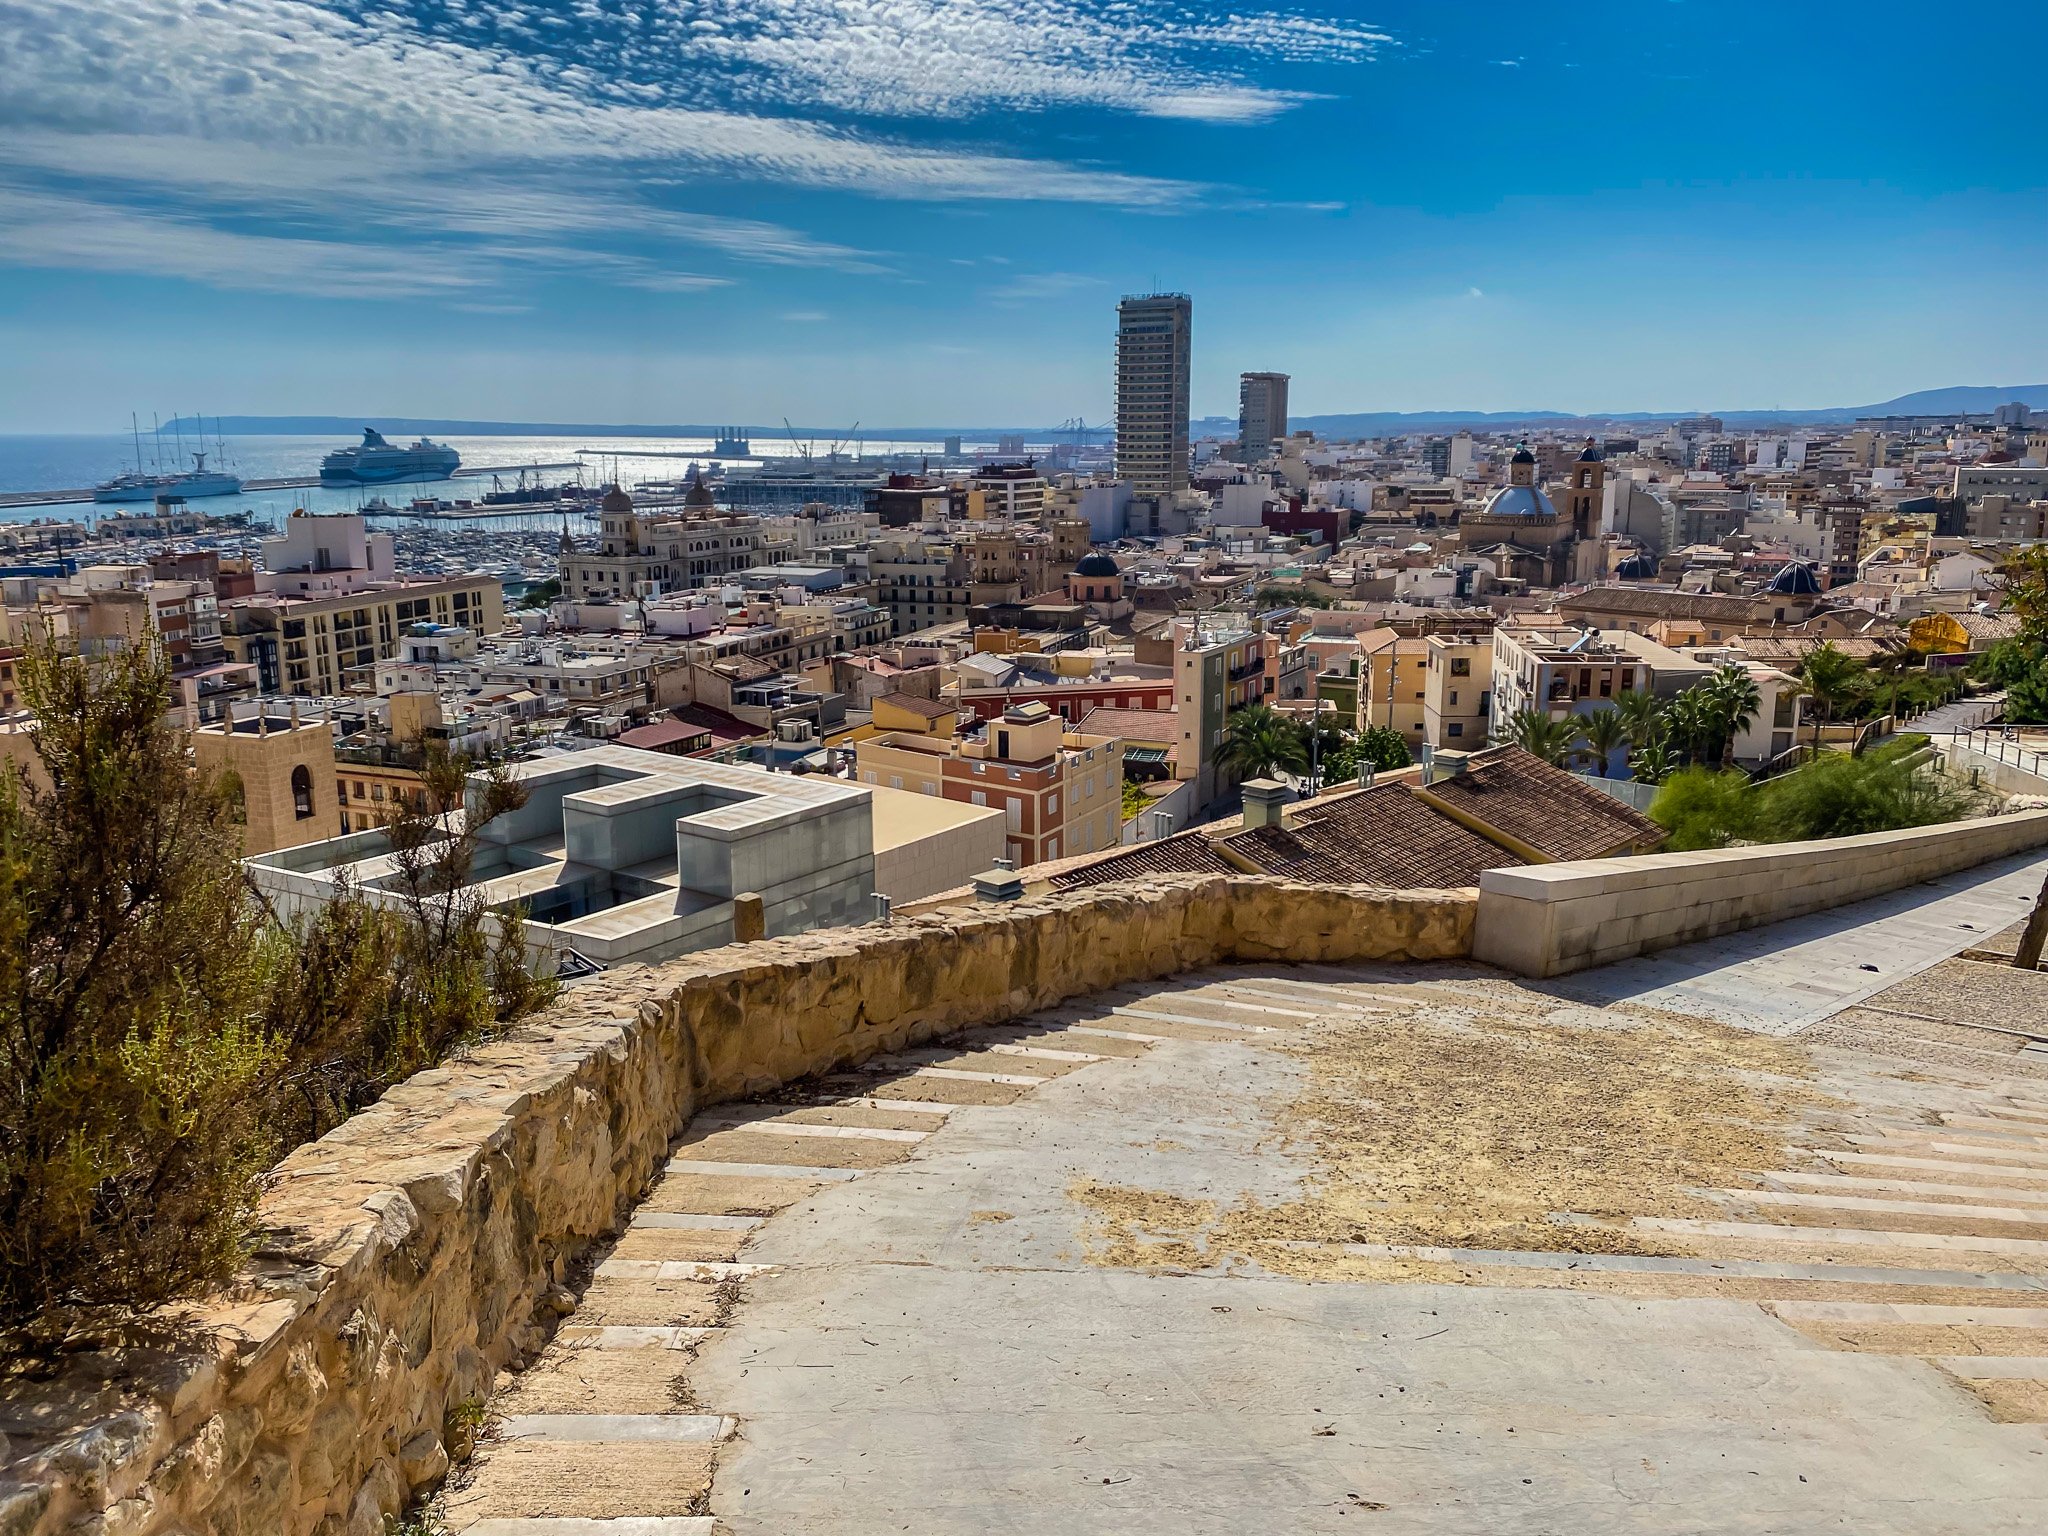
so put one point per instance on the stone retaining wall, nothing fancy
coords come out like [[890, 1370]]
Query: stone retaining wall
[[1550, 919], [429, 1241]]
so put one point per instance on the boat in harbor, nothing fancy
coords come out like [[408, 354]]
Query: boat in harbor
[[141, 485], [374, 461]]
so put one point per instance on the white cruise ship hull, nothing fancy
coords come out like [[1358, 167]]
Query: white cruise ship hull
[[148, 488]]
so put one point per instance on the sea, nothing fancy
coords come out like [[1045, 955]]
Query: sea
[[30, 464]]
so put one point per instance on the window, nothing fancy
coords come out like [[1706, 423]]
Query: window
[[1454, 696], [358, 789], [1455, 728], [1461, 666], [978, 797], [302, 793], [1052, 804]]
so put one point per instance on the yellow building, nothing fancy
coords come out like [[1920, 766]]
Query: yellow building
[[1393, 683], [1457, 680], [285, 765]]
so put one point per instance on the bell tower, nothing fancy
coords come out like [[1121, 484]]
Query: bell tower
[[1522, 467], [1585, 492]]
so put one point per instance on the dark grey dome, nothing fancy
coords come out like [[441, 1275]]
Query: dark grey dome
[[1097, 564], [1795, 580]]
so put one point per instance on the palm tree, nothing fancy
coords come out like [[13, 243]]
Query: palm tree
[[1651, 762], [1642, 715], [1827, 675], [1690, 721], [1605, 731], [1734, 701], [1259, 739], [1537, 733], [1895, 659]]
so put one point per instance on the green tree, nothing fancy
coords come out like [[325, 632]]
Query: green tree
[[1837, 795], [1380, 746], [1605, 733], [1652, 762], [1258, 740], [133, 981], [1537, 733], [1704, 808], [541, 594], [1732, 704], [2025, 584], [1642, 714], [1829, 678]]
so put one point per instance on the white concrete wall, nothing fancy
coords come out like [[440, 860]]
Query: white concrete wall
[[1550, 919]]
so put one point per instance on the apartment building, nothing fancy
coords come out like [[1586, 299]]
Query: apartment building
[[1559, 669], [1261, 414], [1152, 371], [1060, 791], [1010, 493], [1393, 683], [1457, 690]]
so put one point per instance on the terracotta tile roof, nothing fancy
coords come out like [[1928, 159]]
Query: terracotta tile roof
[[930, 709], [1988, 626], [1146, 725], [725, 729], [1385, 836], [1518, 794], [1185, 853], [1662, 603]]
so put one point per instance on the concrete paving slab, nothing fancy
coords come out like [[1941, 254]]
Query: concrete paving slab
[[616, 1428]]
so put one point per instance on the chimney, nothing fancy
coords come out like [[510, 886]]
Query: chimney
[[1447, 764], [998, 885], [1264, 800]]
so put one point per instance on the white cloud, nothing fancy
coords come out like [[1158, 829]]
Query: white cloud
[[1028, 286], [952, 57], [278, 144]]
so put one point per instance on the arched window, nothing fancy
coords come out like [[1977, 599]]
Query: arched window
[[302, 792]]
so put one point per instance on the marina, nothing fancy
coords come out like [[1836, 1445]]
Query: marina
[[283, 483]]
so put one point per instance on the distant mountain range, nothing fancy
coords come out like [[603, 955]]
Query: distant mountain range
[[1968, 399]]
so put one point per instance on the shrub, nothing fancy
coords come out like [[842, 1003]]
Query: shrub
[[1841, 796], [133, 977], [161, 1042], [1703, 808]]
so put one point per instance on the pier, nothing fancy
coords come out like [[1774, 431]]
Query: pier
[[288, 483]]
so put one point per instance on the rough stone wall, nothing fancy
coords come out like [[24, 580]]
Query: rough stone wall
[[427, 1242]]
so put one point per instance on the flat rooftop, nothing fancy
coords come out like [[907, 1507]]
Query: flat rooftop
[[1748, 1235]]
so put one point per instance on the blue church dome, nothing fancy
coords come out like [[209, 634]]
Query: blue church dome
[[1526, 501], [1795, 580]]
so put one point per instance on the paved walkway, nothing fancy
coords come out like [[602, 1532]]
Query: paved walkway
[[1784, 976], [1011, 1282]]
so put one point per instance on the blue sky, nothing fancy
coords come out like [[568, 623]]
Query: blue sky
[[922, 211]]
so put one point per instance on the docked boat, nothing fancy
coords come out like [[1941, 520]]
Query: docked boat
[[373, 461], [141, 485]]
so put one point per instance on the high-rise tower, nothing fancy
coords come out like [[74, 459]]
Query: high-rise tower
[[1152, 391], [1261, 414]]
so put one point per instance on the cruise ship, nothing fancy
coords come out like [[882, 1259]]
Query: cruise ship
[[375, 462], [138, 485]]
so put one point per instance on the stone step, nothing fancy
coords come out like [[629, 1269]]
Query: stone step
[[1996, 1367], [748, 1145], [952, 1074], [1162, 1017], [1220, 997], [712, 1121], [1802, 1200], [1326, 998], [678, 1269], [626, 1336], [535, 1487], [1647, 1264], [1952, 1165], [621, 1525], [1910, 1312], [1762, 1231], [617, 1428], [1854, 1184], [1038, 1052], [1994, 1152], [691, 1221]]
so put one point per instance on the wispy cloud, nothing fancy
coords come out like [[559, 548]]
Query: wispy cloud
[[1029, 286], [947, 58], [239, 129]]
